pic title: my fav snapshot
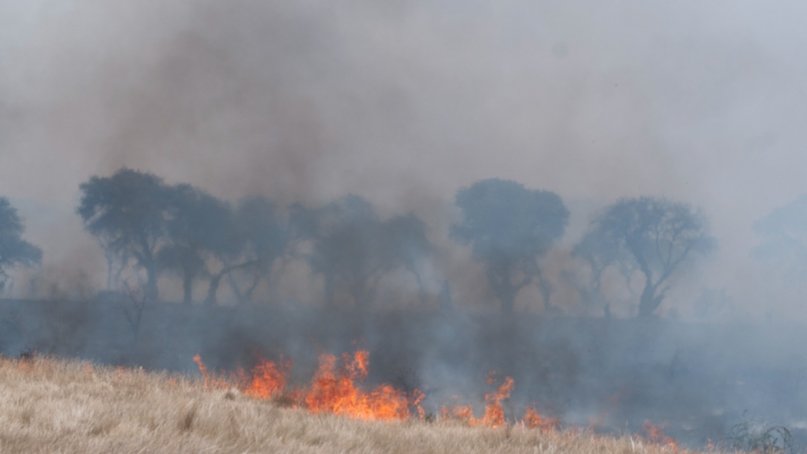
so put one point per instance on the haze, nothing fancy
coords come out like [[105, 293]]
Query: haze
[[406, 102]]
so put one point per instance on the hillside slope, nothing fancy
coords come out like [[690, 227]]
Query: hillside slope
[[51, 405]]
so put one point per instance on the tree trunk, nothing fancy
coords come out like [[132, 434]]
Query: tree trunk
[[215, 280], [236, 289], [244, 296], [649, 301], [213, 289]]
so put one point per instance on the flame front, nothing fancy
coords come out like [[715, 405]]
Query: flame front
[[494, 411], [655, 434], [534, 420], [336, 392], [267, 380], [336, 389]]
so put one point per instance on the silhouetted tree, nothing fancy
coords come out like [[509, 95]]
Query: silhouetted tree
[[509, 228], [14, 251], [265, 236], [201, 229], [209, 238], [128, 213], [353, 249], [655, 235], [600, 253], [784, 233], [343, 245], [405, 244]]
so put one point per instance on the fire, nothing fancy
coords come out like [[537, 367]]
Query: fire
[[209, 380], [336, 388], [417, 401], [201, 365], [534, 420], [335, 391], [655, 434], [267, 380], [494, 411]]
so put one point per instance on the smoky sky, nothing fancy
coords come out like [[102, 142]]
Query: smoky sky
[[406, 102]]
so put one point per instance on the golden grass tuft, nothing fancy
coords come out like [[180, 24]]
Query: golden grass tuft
[[49, 405]]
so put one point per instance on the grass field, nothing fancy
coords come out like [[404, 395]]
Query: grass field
[[51, 406]]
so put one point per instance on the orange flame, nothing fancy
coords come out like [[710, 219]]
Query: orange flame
[[267, 380], [655, 434], [494, 411], [336, 392], [202, 368], [417, 401], [209, 380], [336, 389], [534, 420]]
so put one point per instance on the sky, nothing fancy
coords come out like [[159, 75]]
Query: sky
[[406, 102]]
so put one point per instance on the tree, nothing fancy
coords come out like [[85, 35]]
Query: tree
[[128, 213], [656, 236], [509, 228], [600, 253], [405, 244], [353, 249], [200, 229], [14, 251], [343, 245], [208, 238], [265, 236]]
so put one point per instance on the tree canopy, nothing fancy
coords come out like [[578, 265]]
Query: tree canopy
[[14, 251], [509, 228], [353, 248], [654, 235], [128, 213], [200, 228], [265, 237]]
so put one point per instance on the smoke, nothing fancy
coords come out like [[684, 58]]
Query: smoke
[[404, 103]]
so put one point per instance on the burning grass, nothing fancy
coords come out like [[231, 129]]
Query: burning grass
[[336, 389], [56, 406]]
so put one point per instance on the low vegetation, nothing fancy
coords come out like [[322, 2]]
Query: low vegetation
[[49, 405]]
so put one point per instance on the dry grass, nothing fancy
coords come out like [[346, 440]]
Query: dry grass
[[53, 406]]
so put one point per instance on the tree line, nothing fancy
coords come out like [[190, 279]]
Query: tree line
[[149, 228]]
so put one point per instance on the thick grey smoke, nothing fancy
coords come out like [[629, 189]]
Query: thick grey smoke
[[404, 103], [407, 101]]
